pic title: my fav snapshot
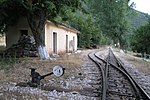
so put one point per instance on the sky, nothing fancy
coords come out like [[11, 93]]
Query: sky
[[142, 5]]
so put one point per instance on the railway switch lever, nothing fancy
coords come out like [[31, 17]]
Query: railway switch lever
[[36, 77]]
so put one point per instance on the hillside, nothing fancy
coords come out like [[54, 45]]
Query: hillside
[[137, 19]]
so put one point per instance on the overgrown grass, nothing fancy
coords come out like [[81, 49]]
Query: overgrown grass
[[5, 63]]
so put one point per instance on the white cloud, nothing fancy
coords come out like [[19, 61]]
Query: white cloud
[[142, 5]]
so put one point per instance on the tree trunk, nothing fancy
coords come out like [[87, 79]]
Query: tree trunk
[[37, 25], [42, 51]]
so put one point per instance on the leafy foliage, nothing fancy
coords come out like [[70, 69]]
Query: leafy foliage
[[90, 32], [140, 39], [36, 12], [111, 15], [99, 21], [37, 8]]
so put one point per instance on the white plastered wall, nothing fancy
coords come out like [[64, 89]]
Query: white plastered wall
[[13, 36], [61, 38]]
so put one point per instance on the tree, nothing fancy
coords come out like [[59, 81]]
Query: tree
[[90, 33], [140, 39], [36, 12], [111, 15]]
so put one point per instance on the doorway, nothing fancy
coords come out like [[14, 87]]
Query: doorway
[[23, 32], [67, 44], [55, 42], [73, 43]]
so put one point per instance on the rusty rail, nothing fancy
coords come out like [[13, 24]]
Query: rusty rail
[[121, 68]]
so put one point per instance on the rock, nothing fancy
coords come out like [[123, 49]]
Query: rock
[[24, 48]]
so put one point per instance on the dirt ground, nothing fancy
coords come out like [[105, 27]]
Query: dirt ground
[[63, 87], [139, 63], [73, 64], [20, 72]]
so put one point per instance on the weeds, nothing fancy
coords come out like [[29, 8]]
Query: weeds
[[6, 62]]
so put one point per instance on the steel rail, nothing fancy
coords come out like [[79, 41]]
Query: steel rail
[[106, 80], [106, 71], [104, 75], [103, 79], [137, 93], [133, 82], [120, 71], [122, 66]]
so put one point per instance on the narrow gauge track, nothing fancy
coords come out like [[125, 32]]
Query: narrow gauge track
[[92, 56], [117, 82]]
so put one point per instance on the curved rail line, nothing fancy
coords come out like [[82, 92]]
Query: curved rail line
[[102, 72], [147, 97], [113, 61]]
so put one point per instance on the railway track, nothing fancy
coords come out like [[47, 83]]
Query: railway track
[[117, 84]]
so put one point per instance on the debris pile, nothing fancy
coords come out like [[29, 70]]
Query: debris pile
[[25, 47]]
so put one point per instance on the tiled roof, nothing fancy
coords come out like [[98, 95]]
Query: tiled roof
[[64, 25]]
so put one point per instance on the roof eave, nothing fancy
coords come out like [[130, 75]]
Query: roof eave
[[62, 25]]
